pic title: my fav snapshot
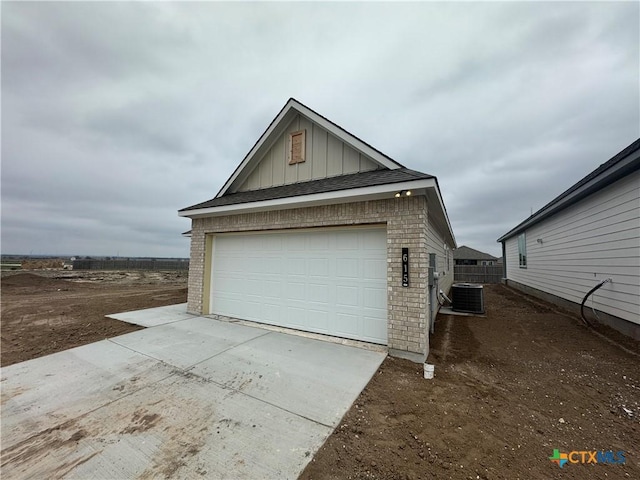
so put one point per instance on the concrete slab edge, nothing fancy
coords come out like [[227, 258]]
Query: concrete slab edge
[[300, 333]]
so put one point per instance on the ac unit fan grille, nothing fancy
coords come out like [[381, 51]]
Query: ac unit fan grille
[[467, 298]]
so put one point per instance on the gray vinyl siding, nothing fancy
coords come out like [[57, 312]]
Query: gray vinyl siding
[[597, 238], [325, 156], [435, 244]]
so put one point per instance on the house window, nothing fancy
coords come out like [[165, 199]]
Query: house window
[[522, 250], [297, 147]]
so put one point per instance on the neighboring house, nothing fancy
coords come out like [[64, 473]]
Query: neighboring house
[[309, 231], [589, 233], [468, 256]]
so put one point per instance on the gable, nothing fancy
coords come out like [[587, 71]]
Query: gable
[[325, 155], [329, 150], [333, 167]]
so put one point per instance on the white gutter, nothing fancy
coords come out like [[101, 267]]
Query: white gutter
[[339, 196]]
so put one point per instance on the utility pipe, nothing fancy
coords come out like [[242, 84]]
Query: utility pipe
[[589, 293]]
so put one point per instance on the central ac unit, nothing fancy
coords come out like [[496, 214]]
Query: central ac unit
[[467, 298]]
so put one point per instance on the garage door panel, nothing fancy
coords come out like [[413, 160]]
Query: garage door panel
[[296, 316], [348, 241], [347, 324], [318, 292], [272, 288], [374, 298], [253, 307], [295, 243], [319, 267], [319, 242], [331, 281], [347, 268], [322, 308], [347, 295], [296, 266], [252, 286], [319, 319], [227, 305], [296, 291], [226, 263], [253, 242], [272, 243], [374, 268], [272, 265], [373, 328], [232, 286], [372, 313], [271, 313]]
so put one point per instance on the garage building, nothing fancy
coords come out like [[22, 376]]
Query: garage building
[[318, 231]]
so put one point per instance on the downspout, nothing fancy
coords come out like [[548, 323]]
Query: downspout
[[504, 261], [432, 283], [434, 293]]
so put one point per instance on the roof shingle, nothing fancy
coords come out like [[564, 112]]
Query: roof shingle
[[332, 184], [467, 253]]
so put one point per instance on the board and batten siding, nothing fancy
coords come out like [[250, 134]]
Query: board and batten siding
[[594, 239], [325, 156]]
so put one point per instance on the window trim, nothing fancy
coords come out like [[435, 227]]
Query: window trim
[[522, 250], [303, 147]]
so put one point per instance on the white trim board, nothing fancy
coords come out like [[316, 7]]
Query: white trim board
[[418, 187]]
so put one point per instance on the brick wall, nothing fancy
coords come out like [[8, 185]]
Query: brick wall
[[406, 220]]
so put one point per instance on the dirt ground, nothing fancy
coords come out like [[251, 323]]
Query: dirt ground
[[46, 311], [509, 388]]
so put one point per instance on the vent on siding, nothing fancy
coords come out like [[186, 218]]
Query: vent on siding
[[467, 298]]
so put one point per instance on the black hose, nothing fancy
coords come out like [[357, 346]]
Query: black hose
[[589, 293]]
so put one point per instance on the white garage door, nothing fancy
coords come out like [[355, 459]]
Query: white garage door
[[326, 281]]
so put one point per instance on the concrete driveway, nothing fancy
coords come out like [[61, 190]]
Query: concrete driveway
[[190, 397]]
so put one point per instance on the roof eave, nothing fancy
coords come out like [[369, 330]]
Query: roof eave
[[445, 215], [606, 178], [417, 187]]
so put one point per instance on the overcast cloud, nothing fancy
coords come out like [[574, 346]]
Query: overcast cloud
[[116, 115]]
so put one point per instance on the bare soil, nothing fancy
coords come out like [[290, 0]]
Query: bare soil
[[509, 388], [46, 311]]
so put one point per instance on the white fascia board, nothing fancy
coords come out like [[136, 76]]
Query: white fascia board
[[592, 186], [340, 196], [274, 124], [446, 217]]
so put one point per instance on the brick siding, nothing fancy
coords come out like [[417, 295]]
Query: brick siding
[[406, 220]]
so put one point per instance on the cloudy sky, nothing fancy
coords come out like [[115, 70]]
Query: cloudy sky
[[116, 115]]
